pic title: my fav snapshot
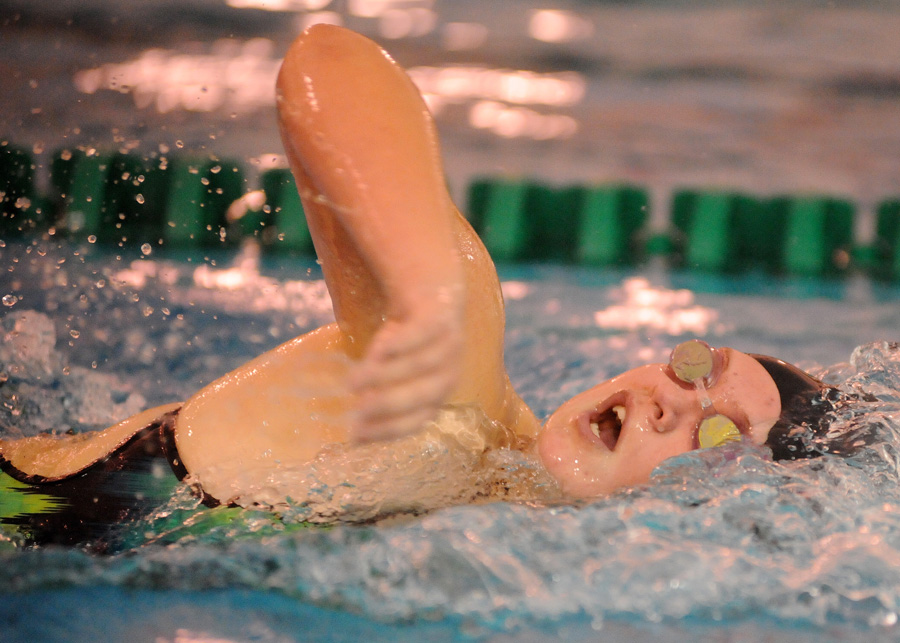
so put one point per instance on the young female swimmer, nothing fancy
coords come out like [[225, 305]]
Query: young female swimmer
[[418, 338]]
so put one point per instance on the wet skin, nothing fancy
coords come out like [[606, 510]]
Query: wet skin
[[661, 415], [419, 315]]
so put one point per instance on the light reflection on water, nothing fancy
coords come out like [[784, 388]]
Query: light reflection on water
[[239, 76], [730, 535], [234, 76]]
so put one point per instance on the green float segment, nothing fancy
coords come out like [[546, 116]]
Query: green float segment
[[610, 219], [817, 234], [729, 232], [721, 231], [200, 193], [887, 240], [111, 198], [496, 211], [524, 221], [286, 211], [84, 202]]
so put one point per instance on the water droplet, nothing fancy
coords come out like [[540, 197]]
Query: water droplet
[[10, 300], [146, 249]]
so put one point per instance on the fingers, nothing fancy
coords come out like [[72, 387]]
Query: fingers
[[414, 333], [405, 360], [411, 368], [404, 405], [398, 391]]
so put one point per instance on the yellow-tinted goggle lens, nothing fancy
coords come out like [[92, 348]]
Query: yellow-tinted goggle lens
[[717, 430]]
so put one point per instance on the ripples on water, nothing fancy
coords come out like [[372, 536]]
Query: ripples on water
[[721, 535]]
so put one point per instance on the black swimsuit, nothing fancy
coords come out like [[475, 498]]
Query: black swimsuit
[[86, 508]]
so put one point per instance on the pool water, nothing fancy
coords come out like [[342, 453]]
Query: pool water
[[722, 545]]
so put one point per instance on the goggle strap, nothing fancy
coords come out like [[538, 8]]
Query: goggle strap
[[705, 401]]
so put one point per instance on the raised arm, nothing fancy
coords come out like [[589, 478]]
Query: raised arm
[[363, 149]]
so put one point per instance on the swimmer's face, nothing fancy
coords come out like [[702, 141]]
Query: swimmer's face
[[645, 416]]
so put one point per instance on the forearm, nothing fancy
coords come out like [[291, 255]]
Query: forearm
[[370, 156]]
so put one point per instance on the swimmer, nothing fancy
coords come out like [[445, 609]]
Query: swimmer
[[417, 344]]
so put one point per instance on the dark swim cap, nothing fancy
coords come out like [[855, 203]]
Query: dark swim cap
[[804, 403]]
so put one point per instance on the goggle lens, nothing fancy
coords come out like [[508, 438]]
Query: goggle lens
[[717, 430], [692, 360]]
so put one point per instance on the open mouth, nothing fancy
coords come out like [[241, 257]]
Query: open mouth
[[605, 426]]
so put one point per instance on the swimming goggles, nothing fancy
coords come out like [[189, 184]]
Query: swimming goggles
[[697, 363]]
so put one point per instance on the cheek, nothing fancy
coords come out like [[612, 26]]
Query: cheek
[[556, 451], [577, 470]]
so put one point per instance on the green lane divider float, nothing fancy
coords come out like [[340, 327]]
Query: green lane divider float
[[136, 195], [610, 219], [719, 231], [84, 211], [887, 240], [109, 198], [525, 221], [817, 234], [498, 210], [62, 171], [286, 211], [200, 193], [124, 198], [20, 210]]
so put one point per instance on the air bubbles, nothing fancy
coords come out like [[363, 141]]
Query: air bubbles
[[146, 249], [74, 334], [10, 300], [92, 238]]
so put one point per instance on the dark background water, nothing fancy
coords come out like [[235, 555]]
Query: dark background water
[[800, 96]]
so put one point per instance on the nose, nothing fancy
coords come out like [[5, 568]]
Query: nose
[[672, 408]]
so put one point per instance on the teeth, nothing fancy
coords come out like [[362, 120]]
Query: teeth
[[595, 429], [619, 410]]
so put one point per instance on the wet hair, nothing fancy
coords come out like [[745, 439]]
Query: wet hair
[[805, 402]]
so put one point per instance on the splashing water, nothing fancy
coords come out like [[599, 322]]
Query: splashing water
[[722, 535]]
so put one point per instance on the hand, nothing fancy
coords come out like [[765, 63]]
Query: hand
[[410, 369]]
